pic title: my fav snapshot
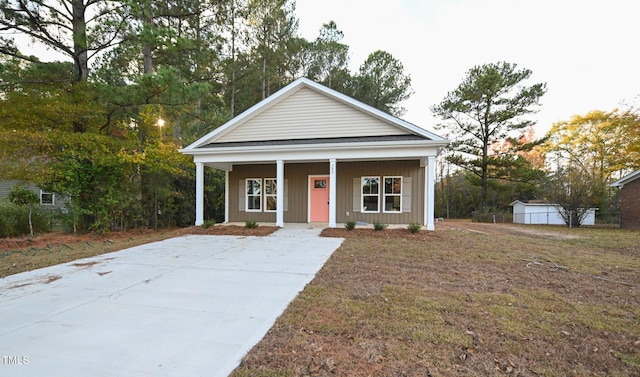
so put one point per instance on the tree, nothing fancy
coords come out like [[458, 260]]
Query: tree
[[22, 196], [604, 144], [485, 109], [272, 25], [64, 26], [574, 191], [382, 83], [329, 57]]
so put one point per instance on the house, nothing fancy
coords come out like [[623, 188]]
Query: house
[[629, 186], [47, 199], [543, 212], [311, 154]]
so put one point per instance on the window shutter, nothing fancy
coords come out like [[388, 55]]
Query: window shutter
[[357, 206], [241, 195], [406, 194], [286, 195]]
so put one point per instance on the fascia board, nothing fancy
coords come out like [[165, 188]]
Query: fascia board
[[317, 152], [294, 87], [626, 179]]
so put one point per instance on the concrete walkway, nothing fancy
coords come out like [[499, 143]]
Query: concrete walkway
[[187, 306]]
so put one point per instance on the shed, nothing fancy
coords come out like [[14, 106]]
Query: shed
[[543, 212]]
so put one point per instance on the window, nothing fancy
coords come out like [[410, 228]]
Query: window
[[47, 198], [370, 194], [254, 194], [392, 194], [320, 183], [270, 195]]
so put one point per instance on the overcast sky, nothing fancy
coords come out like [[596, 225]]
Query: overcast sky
[[586, 51]]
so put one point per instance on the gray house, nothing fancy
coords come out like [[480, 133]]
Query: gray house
[[47, 199], [311, 154]]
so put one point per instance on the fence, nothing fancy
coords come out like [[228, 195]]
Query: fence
[[549, 217]]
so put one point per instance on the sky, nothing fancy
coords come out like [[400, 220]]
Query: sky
[[586, 51]]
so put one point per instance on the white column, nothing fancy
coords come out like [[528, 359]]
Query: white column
[[199, 193], [226, 196], [332, 193], [280, 193], [429, 192]]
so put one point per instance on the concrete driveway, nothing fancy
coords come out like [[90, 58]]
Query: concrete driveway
[[187, 306]]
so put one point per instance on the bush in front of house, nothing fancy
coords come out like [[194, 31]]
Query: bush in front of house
[[350, 225], [251, 224], [379, 226], [414, 227], [14, 220]]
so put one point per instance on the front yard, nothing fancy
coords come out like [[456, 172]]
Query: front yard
[[467, 300]]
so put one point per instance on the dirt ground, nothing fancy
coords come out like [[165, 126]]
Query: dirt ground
[[61, 238], [28, 253]]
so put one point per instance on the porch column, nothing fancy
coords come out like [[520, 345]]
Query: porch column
[[429, 192], [199, 193], [226, 196], [332, 193], [280, 193]]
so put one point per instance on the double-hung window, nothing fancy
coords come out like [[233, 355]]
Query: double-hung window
[[381, 194], [254, 195], [370, 194], [392, 194], [270, 195], [47, 198]]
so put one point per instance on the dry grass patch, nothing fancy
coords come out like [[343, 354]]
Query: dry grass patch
[[476, 301], [25, 254]]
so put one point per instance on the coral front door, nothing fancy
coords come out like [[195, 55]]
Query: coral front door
[[319, 199]]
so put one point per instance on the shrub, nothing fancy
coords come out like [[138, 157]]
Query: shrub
[[350, 225], [379, 226], [14, 220], [414, 227], [251, 224], [208, 223]]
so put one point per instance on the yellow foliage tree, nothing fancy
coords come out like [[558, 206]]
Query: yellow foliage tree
[[602, 144]]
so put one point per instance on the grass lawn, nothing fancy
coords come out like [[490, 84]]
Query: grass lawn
[[467, 300]]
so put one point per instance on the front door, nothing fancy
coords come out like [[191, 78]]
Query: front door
[[319, 199]]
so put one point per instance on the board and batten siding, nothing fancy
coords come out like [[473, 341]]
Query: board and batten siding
[[309, 114], [350, 172], [297, 190]]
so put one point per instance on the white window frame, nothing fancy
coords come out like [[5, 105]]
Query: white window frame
[[363, 195], [247, 196], [272, 195], [385, 194], [53, 198]]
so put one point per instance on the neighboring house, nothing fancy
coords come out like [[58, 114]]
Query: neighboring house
[[629, 186], [47, 199], [543, 212], [311, 154]]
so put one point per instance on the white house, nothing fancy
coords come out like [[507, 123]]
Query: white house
[[543, 212]]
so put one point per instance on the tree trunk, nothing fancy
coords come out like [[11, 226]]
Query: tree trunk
[[147, 50], [81, 55]]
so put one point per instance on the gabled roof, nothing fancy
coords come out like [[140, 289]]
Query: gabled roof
[[626, 179], [532, 202], [229, 133]]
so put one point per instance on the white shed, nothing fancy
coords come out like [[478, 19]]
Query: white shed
[[543, 212]]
